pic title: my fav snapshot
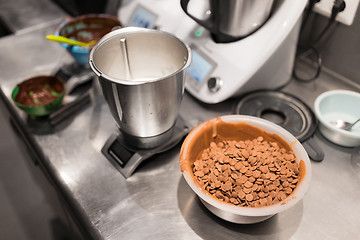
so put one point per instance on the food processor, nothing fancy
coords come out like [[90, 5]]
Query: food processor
[[221, 68]]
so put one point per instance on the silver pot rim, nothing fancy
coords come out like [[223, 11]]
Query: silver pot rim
[[130, 30]]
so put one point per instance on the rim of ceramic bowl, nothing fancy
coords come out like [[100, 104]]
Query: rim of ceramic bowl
[[319, 115], [268, 127]]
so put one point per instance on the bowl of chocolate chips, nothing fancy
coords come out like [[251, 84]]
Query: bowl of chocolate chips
[[245, 169]]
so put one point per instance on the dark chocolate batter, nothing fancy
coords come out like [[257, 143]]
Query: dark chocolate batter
[[39, 91]]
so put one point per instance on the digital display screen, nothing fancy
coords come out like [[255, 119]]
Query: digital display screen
[[142, 18], [199, 67]]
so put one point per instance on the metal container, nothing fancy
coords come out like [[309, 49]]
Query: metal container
[[141, 73], [233, 19]]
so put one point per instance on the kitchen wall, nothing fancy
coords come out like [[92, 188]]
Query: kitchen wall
[[80, 7], [340, 48]]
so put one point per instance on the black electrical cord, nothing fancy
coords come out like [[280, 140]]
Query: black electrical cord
[[308, 12], [339, 6]]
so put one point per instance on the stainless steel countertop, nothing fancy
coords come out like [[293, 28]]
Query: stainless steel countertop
[[25, 15], [156, 203]]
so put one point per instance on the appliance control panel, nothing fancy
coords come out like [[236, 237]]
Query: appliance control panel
[[201, 68], [142, 17]]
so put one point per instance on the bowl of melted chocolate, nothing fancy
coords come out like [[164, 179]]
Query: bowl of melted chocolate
[[245, 169], [86, 28], [39, 96]]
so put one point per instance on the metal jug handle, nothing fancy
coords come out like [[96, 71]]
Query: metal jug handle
[[208, 24]]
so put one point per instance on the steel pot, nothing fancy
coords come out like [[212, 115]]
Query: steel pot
[[141, 73]]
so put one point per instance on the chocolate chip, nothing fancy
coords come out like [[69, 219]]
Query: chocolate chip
[[250, 173]]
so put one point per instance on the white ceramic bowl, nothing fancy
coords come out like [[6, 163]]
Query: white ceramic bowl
[[231, 212], [339, 104]]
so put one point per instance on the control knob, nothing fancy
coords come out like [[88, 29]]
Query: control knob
[[214, 84]]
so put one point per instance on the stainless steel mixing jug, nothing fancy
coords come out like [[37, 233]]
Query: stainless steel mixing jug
[[230, 20], [141, 73]]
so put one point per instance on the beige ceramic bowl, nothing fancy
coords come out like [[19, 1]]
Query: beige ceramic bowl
[[199, 139]]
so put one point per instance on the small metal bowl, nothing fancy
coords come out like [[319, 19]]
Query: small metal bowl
[[199, 139], [39, 96], [85, 28], [339, 105]]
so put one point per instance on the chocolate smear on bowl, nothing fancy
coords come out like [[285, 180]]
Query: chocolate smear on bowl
[[39, 91], [87, 28]]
